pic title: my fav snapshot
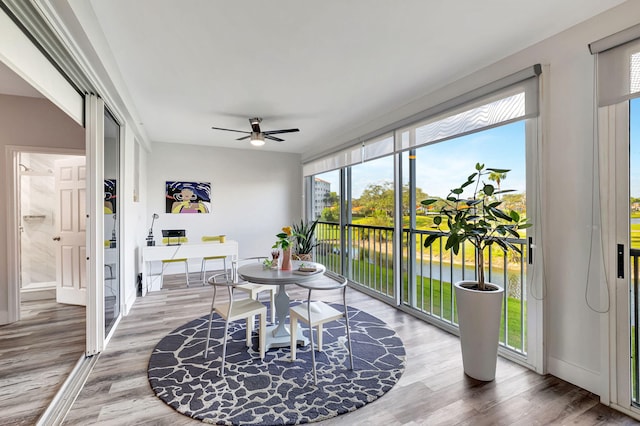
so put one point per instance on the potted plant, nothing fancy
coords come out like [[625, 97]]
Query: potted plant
[[480, 221], [304, 238], [284, 242]]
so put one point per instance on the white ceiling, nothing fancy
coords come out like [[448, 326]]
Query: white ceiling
[[330, 68]]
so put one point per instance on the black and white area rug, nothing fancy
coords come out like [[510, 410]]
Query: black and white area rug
[[275, 391]]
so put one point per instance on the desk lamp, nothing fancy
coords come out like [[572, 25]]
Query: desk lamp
[[150, 241]]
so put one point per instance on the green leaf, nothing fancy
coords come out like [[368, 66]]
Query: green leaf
[[501, 243], [430, 240], [504, 191], [513, 232], [457, 191], [428, 201], [467, 183], [488, 189], [479, 166], [498, 170], [452, 243], [437, 220], [501, 215]]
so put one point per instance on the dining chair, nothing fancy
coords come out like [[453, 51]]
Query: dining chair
[[317, 313], [255, 289], [167, 262], [233, 310]]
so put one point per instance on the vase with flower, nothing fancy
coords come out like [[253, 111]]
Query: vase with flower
[[284, 243]]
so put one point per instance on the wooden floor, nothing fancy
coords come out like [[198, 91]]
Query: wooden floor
[[432, 391], [37, 354]]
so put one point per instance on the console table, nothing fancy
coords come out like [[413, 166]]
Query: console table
[[190, 251]]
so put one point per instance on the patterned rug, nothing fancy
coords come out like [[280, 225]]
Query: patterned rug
[[275, 391]]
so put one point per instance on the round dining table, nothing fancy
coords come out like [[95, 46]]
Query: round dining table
[[278, 335]]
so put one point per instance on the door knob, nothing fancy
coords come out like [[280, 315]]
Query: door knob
[[56, 238]]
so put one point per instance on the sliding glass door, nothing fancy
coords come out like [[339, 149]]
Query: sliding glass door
[[104, 210], [112, 243]]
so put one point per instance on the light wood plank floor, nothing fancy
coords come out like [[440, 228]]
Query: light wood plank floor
[[37, 354], [432, 391]]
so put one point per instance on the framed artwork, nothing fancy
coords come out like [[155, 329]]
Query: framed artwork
[[110, 194], [188, 197]]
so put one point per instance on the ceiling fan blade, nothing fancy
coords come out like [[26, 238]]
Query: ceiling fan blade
[[229, 130], [273, 132], [243, 138], [273, 138]]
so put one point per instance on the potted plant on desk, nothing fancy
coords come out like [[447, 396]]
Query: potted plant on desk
[[480, 221]]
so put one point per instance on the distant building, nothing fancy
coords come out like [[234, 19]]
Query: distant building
[[321, 191]]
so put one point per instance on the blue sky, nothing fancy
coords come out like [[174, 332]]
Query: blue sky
[[445, 165]]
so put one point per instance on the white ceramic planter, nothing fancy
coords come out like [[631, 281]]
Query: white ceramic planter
[[479, 321]]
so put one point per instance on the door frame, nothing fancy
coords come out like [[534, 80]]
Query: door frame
[[13, 212]]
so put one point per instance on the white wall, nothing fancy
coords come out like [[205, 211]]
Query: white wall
[[28, 122], [132, 218], [254, 193]]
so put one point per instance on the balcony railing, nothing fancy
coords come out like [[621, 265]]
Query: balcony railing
[[366, 258]]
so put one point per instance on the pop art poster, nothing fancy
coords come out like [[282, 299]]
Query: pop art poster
[[188, 197], [110, 194]]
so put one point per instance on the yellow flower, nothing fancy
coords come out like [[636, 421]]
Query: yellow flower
[[284, 238]]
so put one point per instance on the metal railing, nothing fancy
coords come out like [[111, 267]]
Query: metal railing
[[366, 258]]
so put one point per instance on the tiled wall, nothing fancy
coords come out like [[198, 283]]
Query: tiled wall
[[37, 185]]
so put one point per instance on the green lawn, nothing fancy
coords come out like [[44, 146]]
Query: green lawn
[[433, 297], [635, 235]]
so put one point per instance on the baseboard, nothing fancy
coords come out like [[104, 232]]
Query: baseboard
[[579, 376], [129, 300], [67, 394], [38, 294]]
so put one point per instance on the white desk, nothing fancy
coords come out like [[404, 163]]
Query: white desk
[[278, 335], [190, 251]]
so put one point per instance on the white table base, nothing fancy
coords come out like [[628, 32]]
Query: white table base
[[278, 336]]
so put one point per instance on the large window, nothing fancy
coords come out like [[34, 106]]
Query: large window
[[436, 169], [372, 225], [325, 206]]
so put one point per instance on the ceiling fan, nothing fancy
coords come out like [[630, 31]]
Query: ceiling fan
[[256, 136]]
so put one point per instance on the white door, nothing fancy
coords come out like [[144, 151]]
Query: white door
[[70, 225]]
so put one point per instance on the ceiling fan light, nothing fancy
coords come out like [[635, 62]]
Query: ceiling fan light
[[256, 139]]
